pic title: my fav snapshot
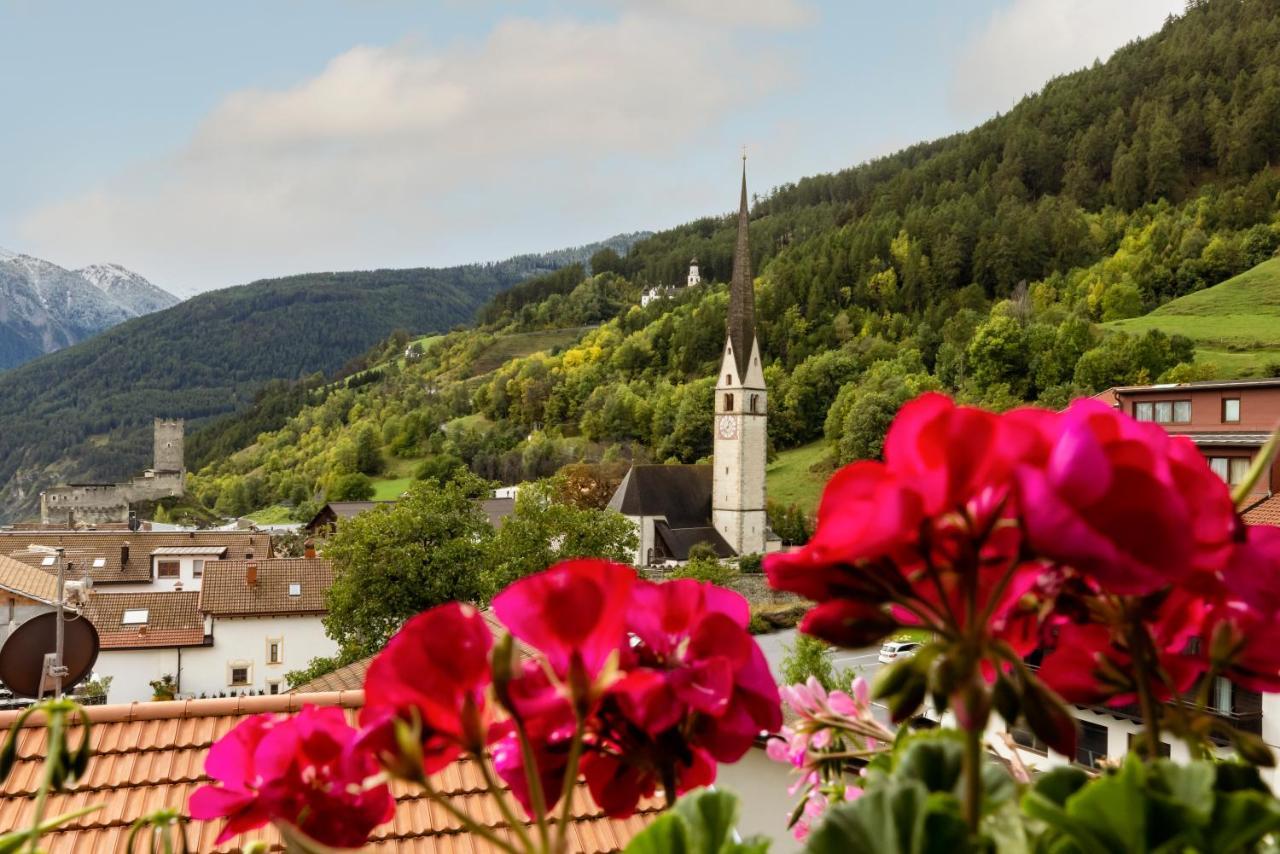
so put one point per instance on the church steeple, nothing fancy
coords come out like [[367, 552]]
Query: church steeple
[[742, 300]]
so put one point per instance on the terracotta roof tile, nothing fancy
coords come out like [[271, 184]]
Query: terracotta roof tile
[[18, 577], [83, 547], [151, 755], [173, 619], [225, 591], [1265, 512]]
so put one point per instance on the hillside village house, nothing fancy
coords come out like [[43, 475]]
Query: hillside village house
[[1229, 421], [249, 624]]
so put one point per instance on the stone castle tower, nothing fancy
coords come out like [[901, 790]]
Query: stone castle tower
[[86, 504], [741, 433], [169, 453]]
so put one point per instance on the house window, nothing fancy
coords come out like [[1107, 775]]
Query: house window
[[48, 561], [1231, 410], [295, 589], [1182, 412], [238, 674], [274, 646], [1164, 412], [197, 568], [1091, 749], [273, 687], [728, 403], [1143, 412], [1220, 699], [1230, 469], [99, 562], [1025, 738], [168, 569], [134, 617]]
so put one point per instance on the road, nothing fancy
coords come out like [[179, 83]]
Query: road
[[863, 662]]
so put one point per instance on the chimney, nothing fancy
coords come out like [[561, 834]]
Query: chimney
[[124, 555], [309, 548], [251, 574]]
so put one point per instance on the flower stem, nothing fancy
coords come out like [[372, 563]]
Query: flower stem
[[54, 756], [466, 821], [537, 797], [1139, 649], [570, 781], [516, 824], [972, 779]]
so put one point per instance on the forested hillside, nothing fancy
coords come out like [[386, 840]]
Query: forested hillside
[[84, 413], [984, 263]]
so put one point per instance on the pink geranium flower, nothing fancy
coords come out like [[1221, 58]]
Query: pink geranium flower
[[435, 669], [305, 771], [573, 613]]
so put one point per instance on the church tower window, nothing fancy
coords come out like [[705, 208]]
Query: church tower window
[[728, 403], [755, 403]]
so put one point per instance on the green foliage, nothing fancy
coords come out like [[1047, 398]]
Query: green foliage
[[702, 822], [544, 529], [703, 567], [351, 487], [808, 657], [398, 560], [791, 523], [1157, 806]]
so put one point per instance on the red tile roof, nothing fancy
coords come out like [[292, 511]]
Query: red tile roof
[[17, 577], [225, 591], [84, 547], [1265, 512], [173, 619], [147, 756]]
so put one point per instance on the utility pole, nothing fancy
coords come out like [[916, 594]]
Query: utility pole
[[58, 669]]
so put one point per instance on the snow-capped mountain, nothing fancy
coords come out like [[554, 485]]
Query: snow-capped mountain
[[128, 288], [44, 307]]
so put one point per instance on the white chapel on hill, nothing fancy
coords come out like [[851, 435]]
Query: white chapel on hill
[[676, 507]]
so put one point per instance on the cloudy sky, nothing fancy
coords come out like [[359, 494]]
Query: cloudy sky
[[210, 144]]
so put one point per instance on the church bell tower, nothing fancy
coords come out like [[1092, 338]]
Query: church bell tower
[[741, 435]]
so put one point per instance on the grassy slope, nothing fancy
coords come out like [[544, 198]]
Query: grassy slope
[[1235, 324], [517, 345], [791, 480]]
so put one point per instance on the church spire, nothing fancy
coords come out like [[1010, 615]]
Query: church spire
[[742, 300]]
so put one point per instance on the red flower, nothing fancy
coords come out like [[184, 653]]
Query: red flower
[[1091, 662], [548, 720], [574, 613], [435, 668], [1244, 622], [1125, 503], [303, 770], [697, 690]]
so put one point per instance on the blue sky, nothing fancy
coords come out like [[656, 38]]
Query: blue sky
[[206, 145]]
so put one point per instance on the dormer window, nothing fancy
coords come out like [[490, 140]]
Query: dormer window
[[134, 617]]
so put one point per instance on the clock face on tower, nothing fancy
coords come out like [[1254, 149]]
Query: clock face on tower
[[727, 426]]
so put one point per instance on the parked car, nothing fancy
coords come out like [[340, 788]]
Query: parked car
[[893, 650]]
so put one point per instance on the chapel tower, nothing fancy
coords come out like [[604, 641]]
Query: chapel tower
[[741, 436]]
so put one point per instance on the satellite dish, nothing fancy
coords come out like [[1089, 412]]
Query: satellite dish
[[23, 656]]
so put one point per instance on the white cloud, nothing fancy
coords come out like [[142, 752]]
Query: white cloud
[[1027, 42], [744, 13], [392, 155]]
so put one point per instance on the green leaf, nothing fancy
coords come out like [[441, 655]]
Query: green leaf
[[1060, 783], [1189, 787], [898, 817], [1241, 819], [702, 822], [1114, 805]]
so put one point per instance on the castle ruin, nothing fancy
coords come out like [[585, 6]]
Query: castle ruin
[[81, 504]]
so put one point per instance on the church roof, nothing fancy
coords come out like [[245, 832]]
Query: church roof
[[682, 494], [678, 541], [742, 301]]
